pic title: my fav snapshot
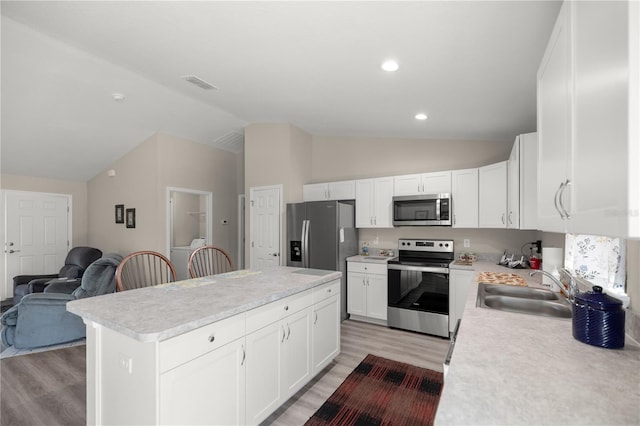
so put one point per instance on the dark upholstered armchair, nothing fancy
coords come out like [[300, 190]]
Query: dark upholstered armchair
[[78, 259], [42, 319]]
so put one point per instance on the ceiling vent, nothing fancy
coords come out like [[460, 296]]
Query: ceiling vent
[[232, 141], [199, 82]]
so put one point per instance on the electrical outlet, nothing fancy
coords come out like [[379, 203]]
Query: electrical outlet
[[125, 362], [467, 243]]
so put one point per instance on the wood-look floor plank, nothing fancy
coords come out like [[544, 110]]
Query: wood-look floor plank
[[45, 388], [48, 388]]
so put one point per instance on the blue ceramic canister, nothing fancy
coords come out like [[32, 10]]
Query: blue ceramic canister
[[598, 319]]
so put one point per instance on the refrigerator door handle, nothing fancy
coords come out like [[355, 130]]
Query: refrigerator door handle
[[304, 244]]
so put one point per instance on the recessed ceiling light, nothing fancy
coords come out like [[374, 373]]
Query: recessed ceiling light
[[118, 97], [390, 65], [421, 116]]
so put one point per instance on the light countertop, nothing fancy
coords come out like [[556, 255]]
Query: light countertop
[[370, 259], [510, 368], [161, 312]]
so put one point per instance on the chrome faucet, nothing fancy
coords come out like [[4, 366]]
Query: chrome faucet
[[573, 285]]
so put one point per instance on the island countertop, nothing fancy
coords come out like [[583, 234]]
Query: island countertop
[[164, 311], [510, 368]]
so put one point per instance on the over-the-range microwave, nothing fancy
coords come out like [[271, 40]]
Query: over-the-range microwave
[[422, 210]]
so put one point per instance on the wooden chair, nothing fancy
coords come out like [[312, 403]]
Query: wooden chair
[[209, 260], [144, 269]]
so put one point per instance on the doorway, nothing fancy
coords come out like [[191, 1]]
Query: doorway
[[36, 234], [189, 224], [265, 216]]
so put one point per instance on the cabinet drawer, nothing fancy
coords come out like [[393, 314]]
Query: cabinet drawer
[[369, 268], [275, 311], [325, 291], [188, 346]]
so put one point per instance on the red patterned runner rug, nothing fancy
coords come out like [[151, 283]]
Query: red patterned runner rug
[[380, 391]]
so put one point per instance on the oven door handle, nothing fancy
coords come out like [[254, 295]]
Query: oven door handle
[[436, 270]]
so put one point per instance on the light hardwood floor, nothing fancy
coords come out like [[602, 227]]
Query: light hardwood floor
[[358, 340], [48, 388]]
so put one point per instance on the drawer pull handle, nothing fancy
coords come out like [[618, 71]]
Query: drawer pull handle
[[212, 338], [286, 308], [329, 291]]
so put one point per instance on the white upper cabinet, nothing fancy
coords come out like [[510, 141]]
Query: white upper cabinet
[[464, 197], [605, 191], [513, 186], [528, 147], [554, 127], [493, 196], [374, 203], [344, 190], [588, 121], [425, 183], [522, 181]]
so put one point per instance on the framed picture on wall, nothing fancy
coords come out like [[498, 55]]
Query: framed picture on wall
[[131, 218], [119, 213]]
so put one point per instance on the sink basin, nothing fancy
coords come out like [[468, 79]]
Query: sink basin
[[523, 292], [376, 257], [524, 300]]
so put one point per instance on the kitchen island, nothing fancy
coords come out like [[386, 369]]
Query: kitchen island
[[224, 349], [517, 369]]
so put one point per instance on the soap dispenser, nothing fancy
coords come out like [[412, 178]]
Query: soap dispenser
[[365, 249]]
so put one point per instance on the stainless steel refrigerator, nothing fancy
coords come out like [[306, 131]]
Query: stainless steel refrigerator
[[321, 235]]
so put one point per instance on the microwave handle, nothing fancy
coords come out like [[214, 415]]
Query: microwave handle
[[438, 209]]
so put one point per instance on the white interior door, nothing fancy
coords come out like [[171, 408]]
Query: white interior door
[[265, 224], [37, 234]]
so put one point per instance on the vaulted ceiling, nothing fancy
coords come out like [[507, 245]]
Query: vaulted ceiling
[[469, 65]]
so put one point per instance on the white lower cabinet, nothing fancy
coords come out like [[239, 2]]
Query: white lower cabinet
[[326, 326], [459, 285], [233, 372], [278, 354], [208, 390], [367, 291]]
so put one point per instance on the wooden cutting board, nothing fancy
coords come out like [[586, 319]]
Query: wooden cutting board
[[501, 278]]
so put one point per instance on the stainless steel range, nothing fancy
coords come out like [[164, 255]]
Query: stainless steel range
[[419, 286]]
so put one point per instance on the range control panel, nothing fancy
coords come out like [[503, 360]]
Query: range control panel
[[440, 246]]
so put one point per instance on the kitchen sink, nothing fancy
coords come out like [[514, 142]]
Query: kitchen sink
[[522, 292], [524, 300], [365, 258]]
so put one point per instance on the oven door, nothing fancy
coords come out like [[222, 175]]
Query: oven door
[[418, 299]]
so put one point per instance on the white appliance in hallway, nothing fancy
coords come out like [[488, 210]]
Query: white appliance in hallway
[[180, 257]]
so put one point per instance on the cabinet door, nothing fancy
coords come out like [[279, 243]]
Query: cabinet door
[[296, 353], [207, 390], [315, 192], [376, 296], [383, 202], [436, 183], [407, 185], [493, 196], [529, 181], [345, 190], [600, 155], [513, 186], [554, 130], [326, 333], [356, 293], [464, 197], [263, 370], [364, 203]]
